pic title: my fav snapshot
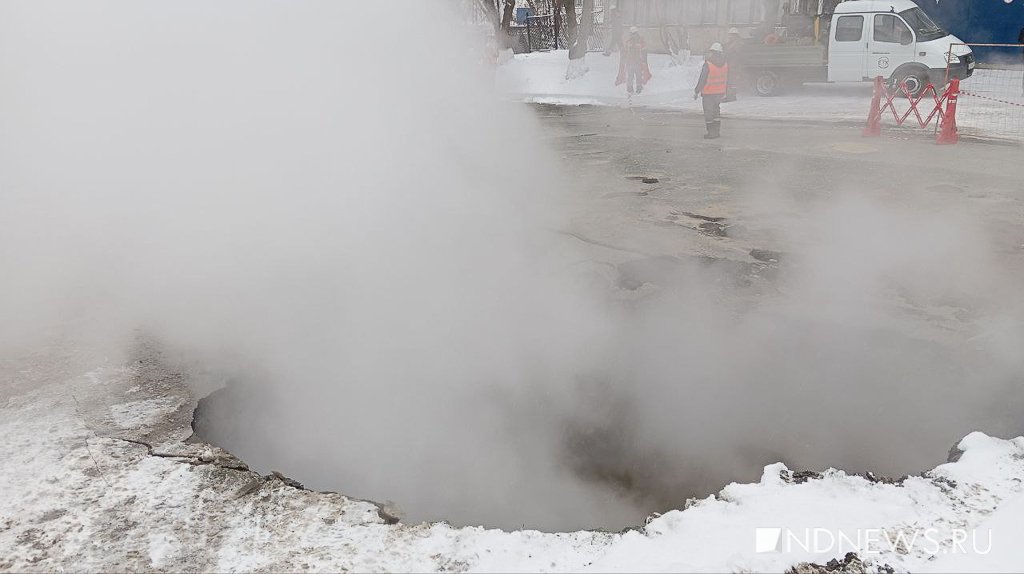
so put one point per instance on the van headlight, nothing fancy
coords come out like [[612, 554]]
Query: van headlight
[[952, 59]]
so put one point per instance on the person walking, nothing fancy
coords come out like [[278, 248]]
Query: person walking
[[733, 47], [633, 68], [714, 77]]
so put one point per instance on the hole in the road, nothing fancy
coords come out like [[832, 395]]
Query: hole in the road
[[690, 401]]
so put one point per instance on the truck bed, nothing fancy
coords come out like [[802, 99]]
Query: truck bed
[[772, 69], [783, 56]]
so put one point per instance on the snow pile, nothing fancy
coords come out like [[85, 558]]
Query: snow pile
[[78, 497], [905, 525], [1007, 553]]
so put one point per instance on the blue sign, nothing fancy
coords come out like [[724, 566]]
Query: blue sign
[[522, 14]]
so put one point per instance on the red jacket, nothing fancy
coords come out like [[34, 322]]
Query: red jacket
[[634, 52]]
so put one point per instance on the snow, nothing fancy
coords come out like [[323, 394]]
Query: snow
[[541, 77], [161, 547], [1007, 553], [142, 413], [77, 497], [717, 533]]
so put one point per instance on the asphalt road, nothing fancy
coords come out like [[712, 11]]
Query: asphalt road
[[764, 175], [904, 259]]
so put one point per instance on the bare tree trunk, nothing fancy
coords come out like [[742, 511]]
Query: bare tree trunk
[[583, 31], [571, 25], [578, 35], [490, 8], [505, 24], [506, 16]]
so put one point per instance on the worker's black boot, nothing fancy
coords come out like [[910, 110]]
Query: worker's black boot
[[713, 131]]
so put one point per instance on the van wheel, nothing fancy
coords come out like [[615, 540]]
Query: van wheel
[[916, 80], [767, 84]]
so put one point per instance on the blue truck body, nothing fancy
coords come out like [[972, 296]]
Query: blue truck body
[[982, 22]]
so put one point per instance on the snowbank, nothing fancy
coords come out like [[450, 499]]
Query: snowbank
[[78, 496]]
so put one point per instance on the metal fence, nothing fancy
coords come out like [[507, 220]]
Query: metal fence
[[545, 32], [991, 100]]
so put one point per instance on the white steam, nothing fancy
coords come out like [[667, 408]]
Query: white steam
[[322, 202], [315, 196]]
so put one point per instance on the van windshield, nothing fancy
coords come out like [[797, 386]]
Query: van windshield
[[922, 25]]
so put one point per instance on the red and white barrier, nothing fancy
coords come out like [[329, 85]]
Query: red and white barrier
[[942, 106]]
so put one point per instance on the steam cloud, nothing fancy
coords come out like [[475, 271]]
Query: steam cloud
[[315, 203]]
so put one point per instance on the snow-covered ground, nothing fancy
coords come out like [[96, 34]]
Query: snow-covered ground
[[96, 475], [540, 77]]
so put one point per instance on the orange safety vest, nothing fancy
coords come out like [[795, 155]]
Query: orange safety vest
[[717, 78]]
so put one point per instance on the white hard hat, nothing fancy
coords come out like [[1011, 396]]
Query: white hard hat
[[634, 30], [734, 31], [716, 47]]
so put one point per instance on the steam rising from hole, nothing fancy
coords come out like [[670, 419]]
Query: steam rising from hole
[[318, 207]]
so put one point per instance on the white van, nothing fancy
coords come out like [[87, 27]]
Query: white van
[[894, 39]]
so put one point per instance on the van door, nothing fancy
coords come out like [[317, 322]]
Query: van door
[[847, 49], [890, 46]]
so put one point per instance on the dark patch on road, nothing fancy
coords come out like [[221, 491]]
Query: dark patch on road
[[643, 178], [765, 255], [625, 194], [713, 229], [699, 216]]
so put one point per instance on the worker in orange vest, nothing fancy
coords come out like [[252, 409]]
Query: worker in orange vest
[[714, 78]]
